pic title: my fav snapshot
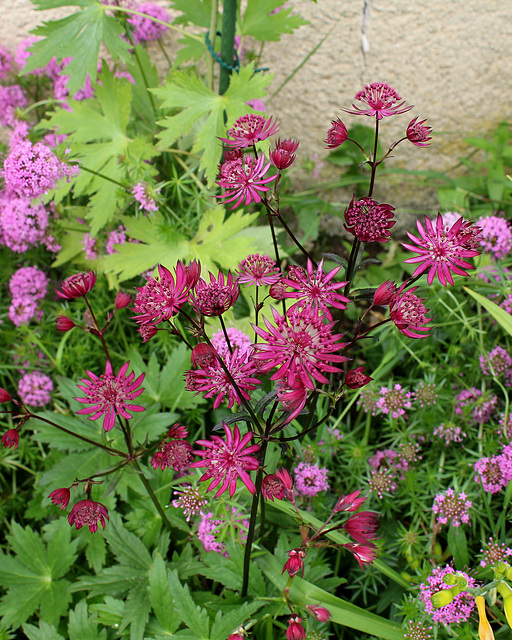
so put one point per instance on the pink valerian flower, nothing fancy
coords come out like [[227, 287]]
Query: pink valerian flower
[[417, 631], [215, 297], [382, 481], [23, 309], [295, 562], [368, 220], [5, 62], [160, 299], [317, 289], [497, 363], [283, 156], [177, 454], [495, 553], [213, 382], [466, 398], [31, 170], [295, 629], [28, 281], [244, 180], [336, 135], [355, 378], [425, 394], [227, 460], [89, 514], [364, 554], [144, 195], [381, 101], [117, 236], [300, 346], [310, 479], [60, 496], [248, 130], [11, 98], [350, 502], [190, 501], [90, 245], [408, 313], [418, 133], [207, 532], [394, 400], [109, 394], [237, 339], [24, 225], [495, 473], [368, 400], [272, 487], [77, 285], [449, 432], [441, 252], [259, 270], [319, 613], [145, 29], [452, 508], [11, 439], [363, 527], [459, 609], [34, 388], [496, 236]]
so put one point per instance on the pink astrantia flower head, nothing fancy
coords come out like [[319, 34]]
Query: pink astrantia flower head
[[381, 100], [160, 299], [77, 285], [317, 289], [110, 395], [272, 487], [144, 28], [363, 527], [295, 562], [11, 439], [300, 346], [409, 313], [452, 508], [295, 629], [248, 130], [336, 135], [441, 252], [227, 460], [215, 297], [368, 220], [244, 180], [292, 397], [60, 496], [356, 378], [364, 554], [89, 514], [177, 454], [259, 270], [418, 133], [283, 155]]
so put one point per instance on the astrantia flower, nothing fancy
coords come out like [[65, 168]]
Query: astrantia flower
[[259, 270], [364, 554], [295, 629], [227, 460], [144, 28], [11, 438], [109, 395], [284, 154], [88, 513], [409, 313], [272, 487], [160, 299], [34, 388], [292, 397], [441, 251], [381, 101], [60, 496], [77, 285], [300, 346], [452, 508], [310, 479], [295, 562], [355, 378], [215, 297], [319, 613], [418, 133], [244, 180], [496, 237], [459, 609], [384, 293], [248, 130], [177, 454], [317, 289], [336, 135], [363, 526], [368, 220]]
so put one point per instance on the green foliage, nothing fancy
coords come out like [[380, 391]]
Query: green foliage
[[260, 23]]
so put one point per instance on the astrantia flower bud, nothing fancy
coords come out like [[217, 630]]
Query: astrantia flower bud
[[284, 154], [123, 299], [336, 135], [352, 502], [295, 629], [385, 293], [178, 432], [418, 133], [77, 285], [64, 324], [286, 479], [355, 378], [272, 487], [192, 273], [295, 562], [4, 396], [278, 290], [147, 331], [60, 496], [363, 526], [203, 356], [11, 438], [320, 613]]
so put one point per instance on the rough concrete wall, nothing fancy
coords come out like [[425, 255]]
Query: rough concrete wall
[[452, 59]]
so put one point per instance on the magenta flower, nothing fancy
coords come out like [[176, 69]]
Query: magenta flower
[[317, 289], [272, 487], [355, 378], [336, 135], [441, 251], [215, 297], [292, 398], [409, 314], [11, 98], [63, 324], [88, 513], [5, 396], [227, 460], [11, 439], [295, 562], [496, 236], [177, 454], [259, 270], [300, 346], [495, 553], [109, 395], [295, 629], [319, 613], [60, 496], [368, 220], [362, 553], [452, 508], [283, 155], [363, 527], [144, 195], [352, 502], [394, 400], [160, 299], [310, 479], [35, 388], [244, 180], [381, 101], [5, 62], [384, 293], [144, 28], [418, 133], [190, 501], [77, 285], [248, 130]]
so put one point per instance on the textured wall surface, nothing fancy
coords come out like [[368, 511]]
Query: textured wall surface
[[451, 59]]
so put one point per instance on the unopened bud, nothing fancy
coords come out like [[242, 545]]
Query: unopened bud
[[123, 299], [64, 324], [444, 597], [4, 396], [506, 592]]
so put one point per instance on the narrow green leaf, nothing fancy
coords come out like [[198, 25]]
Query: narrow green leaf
[[500, 315], [458, 546], [194, 617], [160, 596]]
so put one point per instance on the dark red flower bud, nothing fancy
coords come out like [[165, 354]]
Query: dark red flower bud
[[295, 562], [418, 133], [123, 299], [355, 378], [147, 331], [64, 324], [88, 513], [60, 496], [320, 613], [278, 290], [4, 396], [352, 502], [11, 438], [284, 153], [295, 629], [178, 432], [193, 272], [286, 479], [336, 135], [362, 553], [203, 356], [385, 293], [272, 487], [77, 285], [363, 526]]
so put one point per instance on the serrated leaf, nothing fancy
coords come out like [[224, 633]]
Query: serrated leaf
[[137, 611], [83, 627], [160, 596], [62, 551], [128, 549], [193, 11], [29, 547], [78, 36], [194, 617], [43, 632], [260, 23], [173, 393], [55, 598], [95, 552], [227, 623], [20, 603], [114, 581]]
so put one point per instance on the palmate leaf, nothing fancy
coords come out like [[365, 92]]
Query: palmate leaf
[[259, 22], [77, 36], [194, 617], [205, 109]]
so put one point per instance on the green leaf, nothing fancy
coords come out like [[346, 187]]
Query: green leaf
[[95, 552], [205, 109], [160, 596], [43, 632], [83, 627], [194, 11], [194, 617], [260, 23], [500, 315], [62, 551], [78, 36], [173, 393], [227, 623], [452, 199], [137, 611], [458, 545], [128, 549], [55, 598]]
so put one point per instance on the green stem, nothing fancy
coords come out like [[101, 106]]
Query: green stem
[[210, 63], [169, 25], [292, 236], [374, 161], [101, 175], [224, 331], [228, 43]]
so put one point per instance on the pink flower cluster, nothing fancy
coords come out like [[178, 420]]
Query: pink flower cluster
[[93, 246], [496, 237], [145, 29], [210, 529], [24, 225], [5, 62], [394, 400], [497, 363], [459, 609], [34, 389], [11, 98], [310, 479], [449, 432], [28, 286], [494, 553], [495, 473], [452, 508]]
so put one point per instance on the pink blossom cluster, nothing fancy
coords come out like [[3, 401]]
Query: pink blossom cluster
[[12, 97], [497, 363], [452, 508], [28, 285], [494, 473], [143, 194], [310, 479], [425, 394], [494, 553], [34, 388], [145, 29], [479, 407], [5, 62], [210, 529], [388, 467], [93, 246], [449, 432], [394, 400], [496, 237], [459, 609]]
